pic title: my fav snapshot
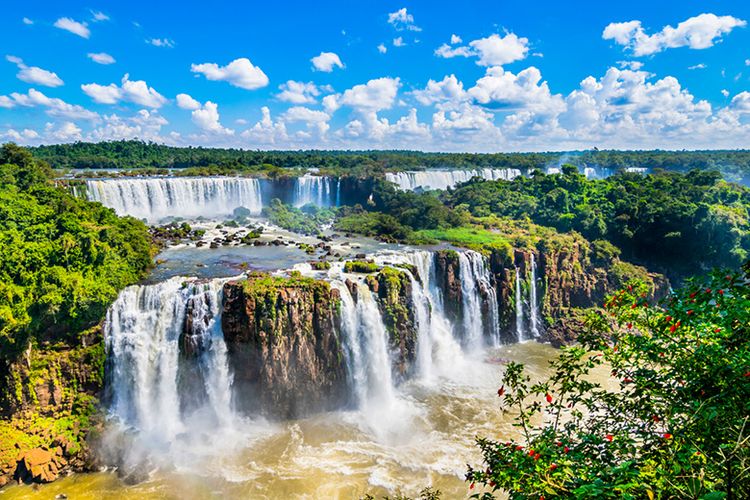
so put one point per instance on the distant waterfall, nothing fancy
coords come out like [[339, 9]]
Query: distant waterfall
[[155, 198], [444, 179], [167, 357], [519, 308], [318, 190]]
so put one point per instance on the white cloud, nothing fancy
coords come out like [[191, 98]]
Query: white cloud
[[65, 132], [448, 90], [725, 92], [98, 16], [315, 120], [207, 119], [455, 39], [34, 74], [326, 61], [382, 48], [68, 24], [135, 91], [240, 73], [161, 42], [55, 106], [375, 95], [402, 20], [25, 136], [747, 62], [27, 21], [632, 65], [699, 32], [101, 58], [493, 50], [503, 90], [184, 101], [266, 130], [144, 125], [298, 92], [698, 66], [398, 42]]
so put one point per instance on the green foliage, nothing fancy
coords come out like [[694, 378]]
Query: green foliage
[[675, 427], [473, 237], [62, 259], [676, 222], [360, 266], [309, 220]]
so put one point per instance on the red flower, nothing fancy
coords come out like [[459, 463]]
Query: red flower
[[559, 443], [566, 449], [634, 305], [630, 326], [549, 397], [609, 437], [519, 447], [747, 374], [690, 311], [552, 466], [655, 418], [471, 486], [536, 456], [667, 435], [492, 484], [668, 318], [708, 290], [531, 453], [501, 391], [692, 295], [717, 330], [673, 328], [627, 380], [721, 292]]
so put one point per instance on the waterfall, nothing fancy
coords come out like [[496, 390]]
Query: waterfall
[[366, 344], [155, 198], [444, 179], [519, 308], [318, 190], [476, 288], [149, 371], [534, 303]]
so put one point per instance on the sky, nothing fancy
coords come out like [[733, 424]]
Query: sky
[[474, 76]]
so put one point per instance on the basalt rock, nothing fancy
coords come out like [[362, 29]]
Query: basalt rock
[[448, 277], [393, 289], [282, 336]]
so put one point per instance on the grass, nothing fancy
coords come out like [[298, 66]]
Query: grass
[[471, 237]]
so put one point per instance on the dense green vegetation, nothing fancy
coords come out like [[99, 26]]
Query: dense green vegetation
[[62, 259], [676, 425], [309, 219], [138, 154], [680, 224]]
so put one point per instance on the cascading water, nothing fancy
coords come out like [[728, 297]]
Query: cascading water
[[444, 179], [534, 302], [158, 197], [144, 330], [476, 288], [519, 308], [318, 190]]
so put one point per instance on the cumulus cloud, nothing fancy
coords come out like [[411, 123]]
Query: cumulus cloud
[[54, 106], [633, 65], [34, 74], [502, 90], [699, 32], [240, 73], [161, 42], [27, 21], [207, 118], [68, 24], [266, 130], [65, 132], [24, 136], [382, 48], [101, 58], [184, 101], [326, 61], [448, 90], [698, 66], [375, 95], [298, 92], [145, 125], [316, 121], [493, 50], [402, 20], [135, 91]]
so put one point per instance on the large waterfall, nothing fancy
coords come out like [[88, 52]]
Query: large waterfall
[[318, 190], [167, 357], [533, 300], [444, 179], [155, 198], [528, 318]]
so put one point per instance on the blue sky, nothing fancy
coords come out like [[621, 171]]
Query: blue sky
[[474, 76]]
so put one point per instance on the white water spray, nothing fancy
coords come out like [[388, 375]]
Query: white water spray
[[444, 179]]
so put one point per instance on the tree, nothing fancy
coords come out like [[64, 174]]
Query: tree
[[677, 425]]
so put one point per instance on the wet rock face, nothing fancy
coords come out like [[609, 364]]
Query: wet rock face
[[448, 277], [393, 289], [284, 346]]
